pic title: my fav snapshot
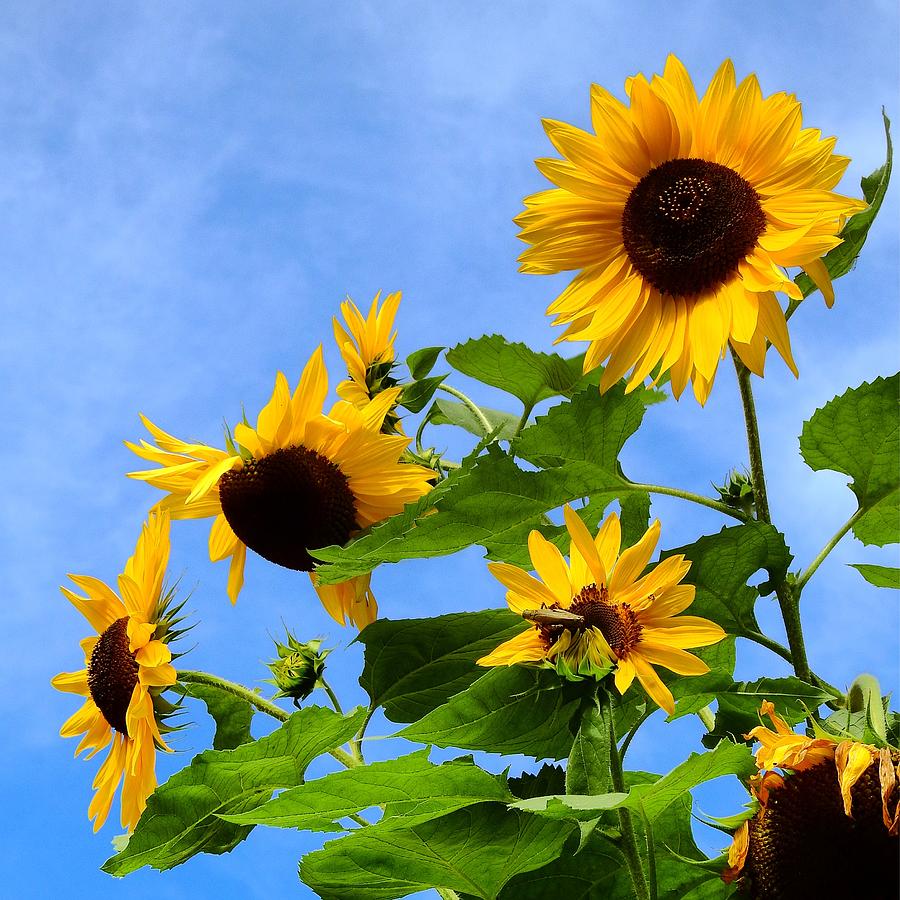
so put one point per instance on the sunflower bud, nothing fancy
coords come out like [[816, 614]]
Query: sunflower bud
[[298, 669], [737, 492]]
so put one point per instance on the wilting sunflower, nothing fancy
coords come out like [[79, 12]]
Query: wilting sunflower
[[296, 482], [127, 665], [682, 215], [826, 825], [597, 611], [367, 347]]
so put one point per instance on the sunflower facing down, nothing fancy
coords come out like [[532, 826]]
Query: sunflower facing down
[[367, 348], [681, 215], [296, 482], [127, 666], [597, 611], [826, 825]]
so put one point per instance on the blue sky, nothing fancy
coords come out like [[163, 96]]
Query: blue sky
[[189, 192]]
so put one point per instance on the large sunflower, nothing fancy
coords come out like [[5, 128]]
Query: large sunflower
[[127, 666], [826, 825], [598, 611], [367, 347], [681, 215], [296, 482]]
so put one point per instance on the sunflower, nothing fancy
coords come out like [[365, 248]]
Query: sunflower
[[681, 215], [367, 347], [296, 482], [826, 825], [598, 611], [127, 666]]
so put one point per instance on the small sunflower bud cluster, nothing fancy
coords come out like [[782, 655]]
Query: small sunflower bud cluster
[[737, 492], [299, 667]]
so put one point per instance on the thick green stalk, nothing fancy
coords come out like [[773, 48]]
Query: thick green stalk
[[788, 602], [471, 405], [629, 842], [823, 553], [254, 699], [694, 498]]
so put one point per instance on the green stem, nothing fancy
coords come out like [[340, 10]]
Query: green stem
[[651, 853], [623, 747], [767, 642], [523, 421], [356, 743], [788, 602], [473, 407], [358, 819], [839, 534], [254, 699], [707, 717], [331, 696], [694, 498], [629, 843], [447, 894]]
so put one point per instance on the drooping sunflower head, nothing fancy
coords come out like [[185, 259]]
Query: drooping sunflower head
[[297, 481], [128, 664], [825, 826], [680, 215], [598, 611], [366, 344]]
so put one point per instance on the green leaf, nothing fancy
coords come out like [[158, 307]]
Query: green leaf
[[651, 799], [510, 709], [516, 369], [475, 851], [858, 434], [587, 771], [416, 394], [411, 789], [599, 872], [421, 362], [495, 503], [181, 816], [635, 517], [721, 565], [450, 412], [841, 259], [738, 707], [880, 576], [413, 666], [549, 779], [232, 715]]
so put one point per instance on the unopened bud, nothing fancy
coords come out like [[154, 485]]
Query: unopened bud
[[299, 667]]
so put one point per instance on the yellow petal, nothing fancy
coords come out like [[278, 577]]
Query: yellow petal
[[153, 654], [550, 565], [678, 661], [653, 685], [72, 682], [236, 572], [525, 591], [608, 541], [634, 560], [581, 538], [818, 272], [851, 759], [525, 647]]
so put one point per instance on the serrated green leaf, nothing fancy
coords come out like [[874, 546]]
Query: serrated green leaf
[[416, 394], [421, 362], [738, 707], [599, 872], [880, 576], [858, 434], [232, 715], [495, 503], [475, 851], [721, 565], [510, 709], [411, 789], [451, 412], [413, 666], [516, 369], [650, 799], [181, 815], [549, 779], [840, 260]]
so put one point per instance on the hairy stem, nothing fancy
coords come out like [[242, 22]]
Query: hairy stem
[[788, 602], [823, 553], [470, 404], [629, 842], [694, 498], [254, 699]]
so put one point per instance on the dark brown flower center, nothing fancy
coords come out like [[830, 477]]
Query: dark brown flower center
[[112, 674], [688, 223], [618, 623], [804, 845], [287, 503]]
